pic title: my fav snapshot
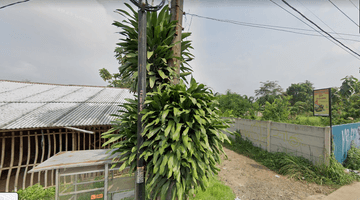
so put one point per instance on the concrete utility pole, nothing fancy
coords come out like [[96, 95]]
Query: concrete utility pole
[[177, 14], [140, 169]]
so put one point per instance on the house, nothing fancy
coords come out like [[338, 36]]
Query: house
[[38, 120]]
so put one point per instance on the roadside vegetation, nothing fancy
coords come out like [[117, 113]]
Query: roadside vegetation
[[215, 191], [293, 105], [36, 192], [298, 167]]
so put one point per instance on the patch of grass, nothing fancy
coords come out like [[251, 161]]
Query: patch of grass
[[295, 167], [215, 191], [308, 120], [353, 158]]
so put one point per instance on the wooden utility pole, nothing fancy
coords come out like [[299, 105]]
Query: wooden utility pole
[[177, 14]]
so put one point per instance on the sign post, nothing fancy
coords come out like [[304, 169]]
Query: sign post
[[322, 105]]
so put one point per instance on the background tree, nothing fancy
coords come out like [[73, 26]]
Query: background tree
[[114, 80], [349, 86], [234, 103], [268, 92], [302, 96], [278, 110], [300, 92]]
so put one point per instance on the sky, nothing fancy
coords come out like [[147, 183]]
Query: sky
[[68, 41]]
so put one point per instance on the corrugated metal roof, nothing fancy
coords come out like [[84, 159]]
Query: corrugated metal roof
[[35, 105], [70, 159]]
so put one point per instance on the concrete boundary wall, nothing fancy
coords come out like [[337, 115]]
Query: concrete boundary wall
[[310, 142]]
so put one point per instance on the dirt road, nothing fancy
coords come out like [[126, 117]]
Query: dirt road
[[251, 180]]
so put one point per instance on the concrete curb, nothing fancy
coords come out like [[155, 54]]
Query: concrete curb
[[348, 192]]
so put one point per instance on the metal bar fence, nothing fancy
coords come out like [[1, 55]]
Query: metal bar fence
[[21, 150]]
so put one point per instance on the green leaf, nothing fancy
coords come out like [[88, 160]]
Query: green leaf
[[185, 74], [148, 65], [164, 189], [177, 112], [162, 74], [152, 80], [149, 54], [123, 166], [153, 132], [171, 123], [170, 165], [175, 136], [163, 116], [163, 163]]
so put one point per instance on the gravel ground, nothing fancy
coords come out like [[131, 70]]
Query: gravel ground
[[251, 180]]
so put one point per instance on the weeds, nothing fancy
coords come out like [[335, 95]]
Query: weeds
[[296, 167], [215, 191], [353, 158]]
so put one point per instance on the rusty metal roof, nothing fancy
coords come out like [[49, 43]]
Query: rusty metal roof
[[70, 159], [36, 105]]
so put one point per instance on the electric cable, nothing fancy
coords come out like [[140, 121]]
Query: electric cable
[[342, 47], [190, 23], [320, 19], [354, 5], [343, 13], [322, 30], [13, 4], [265, 25], [269, 27]]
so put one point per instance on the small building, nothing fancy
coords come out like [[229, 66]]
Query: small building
[[39, 120]]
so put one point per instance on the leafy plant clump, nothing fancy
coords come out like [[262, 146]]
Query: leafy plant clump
[[353, 158], [182, 139], [277, 111], [160, 32], [36, 192], [294, 166]]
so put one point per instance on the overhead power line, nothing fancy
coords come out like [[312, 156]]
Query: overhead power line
[[321, 29], [314, 29], [269, 27], [354, 5], [343, 13], [13, 4], [321, 20]]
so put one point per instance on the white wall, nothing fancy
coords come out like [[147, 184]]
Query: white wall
[[312, 143]]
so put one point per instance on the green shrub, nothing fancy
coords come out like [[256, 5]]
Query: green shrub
[[353, 158], [182, 138], [36, 192], [278, 110], [294, 166]]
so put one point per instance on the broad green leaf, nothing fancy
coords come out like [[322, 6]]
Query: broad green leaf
[[149, 54], [163, 163], [164, 189], [152, 80], [175, 136], [186, 131], [153, 132], [177, 112], [171, 123], [162, 74], [148, 65], [163, 116]]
